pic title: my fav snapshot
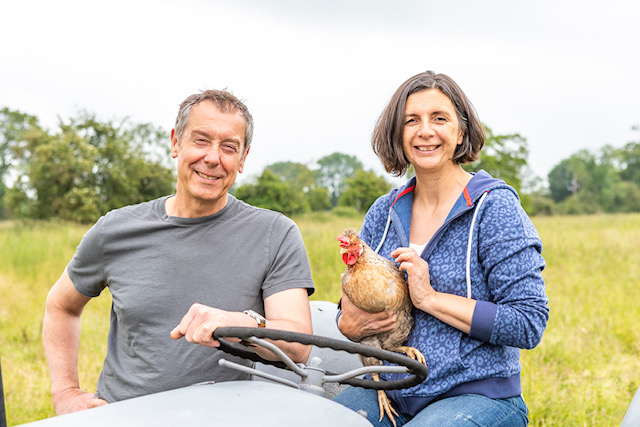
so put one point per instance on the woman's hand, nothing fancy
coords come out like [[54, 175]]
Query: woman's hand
[[356, 324], [453, 310], [418, 280]]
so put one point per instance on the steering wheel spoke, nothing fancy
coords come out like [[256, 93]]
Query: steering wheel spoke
[[416, 370]]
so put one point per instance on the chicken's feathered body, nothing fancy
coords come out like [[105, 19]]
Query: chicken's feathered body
[[374, 284]]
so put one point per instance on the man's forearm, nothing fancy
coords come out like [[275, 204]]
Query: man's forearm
[[61, 340], [297, 352]]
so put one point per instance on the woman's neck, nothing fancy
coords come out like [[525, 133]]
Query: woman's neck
[[432, 188]]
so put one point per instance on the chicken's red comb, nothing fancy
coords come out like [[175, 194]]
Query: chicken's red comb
[[344, 242]]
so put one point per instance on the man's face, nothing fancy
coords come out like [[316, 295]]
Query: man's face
[[210, 155]]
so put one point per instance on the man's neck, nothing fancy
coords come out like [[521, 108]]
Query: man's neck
[[179, 207]]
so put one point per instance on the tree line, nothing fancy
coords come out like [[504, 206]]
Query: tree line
[[605, 181], [86, 167]]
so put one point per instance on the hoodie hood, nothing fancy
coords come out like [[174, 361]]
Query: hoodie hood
[[401, 201]]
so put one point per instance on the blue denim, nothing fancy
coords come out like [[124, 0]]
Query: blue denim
[[465, 410]]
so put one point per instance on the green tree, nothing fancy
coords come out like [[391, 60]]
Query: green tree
[[3, 192], [297, 175], [13, 126], [57, 167], [301, 179], [270, 192], [504, 157], [86, 169], [624, 196], [586, 179], [363, 189], [333, 171], [628, 159], [131, 161], [318, 199], [562, 182], [540, 204]]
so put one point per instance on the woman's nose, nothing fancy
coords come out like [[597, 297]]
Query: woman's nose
[[425, 129]]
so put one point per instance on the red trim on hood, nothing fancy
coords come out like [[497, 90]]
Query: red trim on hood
[[407, 190], [467, 197]]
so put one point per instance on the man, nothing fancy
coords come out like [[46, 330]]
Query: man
[[169, 261]]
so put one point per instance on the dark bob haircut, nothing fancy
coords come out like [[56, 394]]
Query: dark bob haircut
[[387, 135]]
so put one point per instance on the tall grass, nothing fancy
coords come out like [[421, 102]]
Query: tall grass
[[32, 257], [584, 372], [588, 365]]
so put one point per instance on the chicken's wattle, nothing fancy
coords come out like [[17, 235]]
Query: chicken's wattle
[[349, 258]]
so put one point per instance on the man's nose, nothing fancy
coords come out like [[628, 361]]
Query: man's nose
[[213, 154]]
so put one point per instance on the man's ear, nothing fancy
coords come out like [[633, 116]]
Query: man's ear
[[246, 153], [174, 144]]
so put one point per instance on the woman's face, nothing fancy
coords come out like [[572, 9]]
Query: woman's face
[[431, 131]]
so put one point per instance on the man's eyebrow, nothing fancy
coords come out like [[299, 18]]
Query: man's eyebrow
[[200, 132]]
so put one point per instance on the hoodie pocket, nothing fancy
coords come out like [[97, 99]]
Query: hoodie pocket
[[440, 344]]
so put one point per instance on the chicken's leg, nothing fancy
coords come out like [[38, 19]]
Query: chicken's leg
[[413, 353], [384, 403]]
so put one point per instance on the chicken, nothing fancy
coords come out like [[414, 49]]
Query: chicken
[[373, 284]]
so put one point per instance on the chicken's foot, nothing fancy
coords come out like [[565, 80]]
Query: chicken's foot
[[384, 403], [413, 353]]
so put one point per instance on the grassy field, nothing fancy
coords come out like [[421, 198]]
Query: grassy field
[[584, 373]]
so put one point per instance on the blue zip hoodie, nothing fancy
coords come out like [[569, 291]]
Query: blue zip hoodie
[[505, 278]]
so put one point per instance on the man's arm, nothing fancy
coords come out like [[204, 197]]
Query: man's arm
[[61, 338], [287, 310]]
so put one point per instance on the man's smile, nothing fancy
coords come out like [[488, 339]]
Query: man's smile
[[209, 177]]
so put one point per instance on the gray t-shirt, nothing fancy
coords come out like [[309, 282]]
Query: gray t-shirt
[[157, 266]]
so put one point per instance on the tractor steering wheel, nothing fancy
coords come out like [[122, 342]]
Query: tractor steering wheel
[[418, 370]]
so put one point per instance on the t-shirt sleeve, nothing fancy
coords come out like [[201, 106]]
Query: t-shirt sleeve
[[289, 263], [86, 268]]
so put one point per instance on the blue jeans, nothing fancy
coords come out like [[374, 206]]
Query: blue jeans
[[465, 410]]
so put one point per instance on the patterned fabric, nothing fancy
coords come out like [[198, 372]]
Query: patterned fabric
[[506, 264]]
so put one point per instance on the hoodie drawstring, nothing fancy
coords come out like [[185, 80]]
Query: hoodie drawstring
[[473, 220], [386, 230]]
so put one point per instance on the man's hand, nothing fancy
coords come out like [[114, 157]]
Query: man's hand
[[74, 400], [356, 324], [286, 310], [198, 325]]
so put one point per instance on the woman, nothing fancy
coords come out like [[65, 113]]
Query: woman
[[473, 263]]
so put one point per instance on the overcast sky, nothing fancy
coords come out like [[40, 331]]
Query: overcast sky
[[317, 74]]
